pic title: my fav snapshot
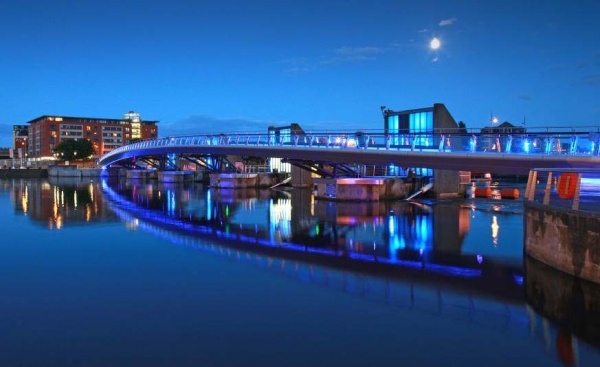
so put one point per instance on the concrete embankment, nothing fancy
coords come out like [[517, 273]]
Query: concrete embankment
[[24, 173], [73, 171]]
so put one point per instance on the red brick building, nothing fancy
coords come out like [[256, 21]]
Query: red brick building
[[46, 132]]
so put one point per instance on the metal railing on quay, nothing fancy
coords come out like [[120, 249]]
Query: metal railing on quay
[[577, 189]]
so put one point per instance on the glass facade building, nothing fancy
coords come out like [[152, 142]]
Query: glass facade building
[[415, 128]]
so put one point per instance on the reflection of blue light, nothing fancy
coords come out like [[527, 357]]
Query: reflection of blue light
[[183, 233], [172, 160], [392, 228], [479, 259], [518, 279], [208, 205], [526, 146], [424, 229], [170, 202]]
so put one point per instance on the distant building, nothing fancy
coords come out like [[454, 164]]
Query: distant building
[[46, 132], [20, 137], [504, 128]]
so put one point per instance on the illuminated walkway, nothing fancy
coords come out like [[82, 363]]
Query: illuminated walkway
[[499, 153]]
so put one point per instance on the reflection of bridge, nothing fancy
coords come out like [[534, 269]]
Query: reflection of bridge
[[451, 150], [407, 291], [488, 278]]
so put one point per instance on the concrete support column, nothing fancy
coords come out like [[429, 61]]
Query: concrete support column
[[301, 178], [448, 183]]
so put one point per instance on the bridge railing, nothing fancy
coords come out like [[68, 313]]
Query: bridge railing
[[577, 189], [575, 141]]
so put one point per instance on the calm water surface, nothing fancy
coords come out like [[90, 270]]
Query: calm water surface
[[98, 273]]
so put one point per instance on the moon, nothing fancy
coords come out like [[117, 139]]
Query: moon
[[435, 43]]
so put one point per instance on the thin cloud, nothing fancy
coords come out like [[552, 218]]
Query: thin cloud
[[447, 22], [424, 30], [357, 53], [435, 59], [588, 81], [524, 97], [335, 57], [296, 65]]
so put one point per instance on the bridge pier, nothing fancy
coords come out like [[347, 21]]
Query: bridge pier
[[301, 178], [450, 184]]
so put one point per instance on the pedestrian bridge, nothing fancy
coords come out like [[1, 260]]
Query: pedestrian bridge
[[452, 149]]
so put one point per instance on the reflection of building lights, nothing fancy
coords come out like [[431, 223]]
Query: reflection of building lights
[[25, 200], [495, 229], [132, 224], [280, 217]]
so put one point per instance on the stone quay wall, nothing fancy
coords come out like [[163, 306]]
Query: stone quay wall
[[566, 239]]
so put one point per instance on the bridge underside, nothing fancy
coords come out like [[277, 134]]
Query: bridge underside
[[212, 164]]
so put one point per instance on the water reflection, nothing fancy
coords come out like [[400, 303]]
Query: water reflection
[[570, 302], [419, 238], [400, 234], [57, 201], [425, 252]]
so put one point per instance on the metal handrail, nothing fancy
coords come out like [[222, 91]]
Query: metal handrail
[[574, 142]]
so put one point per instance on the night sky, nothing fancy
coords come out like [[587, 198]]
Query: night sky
[[223, 65]]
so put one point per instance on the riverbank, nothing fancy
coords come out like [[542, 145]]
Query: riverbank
[[23, 173]]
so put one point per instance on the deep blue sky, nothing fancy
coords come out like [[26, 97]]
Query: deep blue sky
[[227, 65]]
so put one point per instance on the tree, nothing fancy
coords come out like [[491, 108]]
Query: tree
[[74, 149]]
